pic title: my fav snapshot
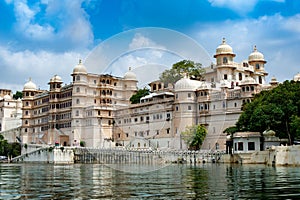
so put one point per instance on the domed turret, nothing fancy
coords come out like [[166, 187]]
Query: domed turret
[[80, 68], [7, 97], [256, 56], [269, 133], [56, 79], [29, 86], [273, 81], [224, 49], [186, 84], [297, 77], [130, 75]]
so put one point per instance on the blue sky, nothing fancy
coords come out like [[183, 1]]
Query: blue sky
[[41, 38]]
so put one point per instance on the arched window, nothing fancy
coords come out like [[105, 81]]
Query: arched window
[[257, 66], [240, 76], [225, 60], [77, 78], [260, 80], [154, 87], [77, 89]]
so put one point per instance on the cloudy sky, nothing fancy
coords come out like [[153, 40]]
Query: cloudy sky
[[41, 38]]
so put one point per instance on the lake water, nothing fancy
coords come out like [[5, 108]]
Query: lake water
[[95, 181]]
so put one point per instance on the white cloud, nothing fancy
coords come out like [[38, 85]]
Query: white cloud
[[293, 24], [274, 36], [64, 22], [26, 22], [140, 41], [236, 5], [240, 6], [17, 67]]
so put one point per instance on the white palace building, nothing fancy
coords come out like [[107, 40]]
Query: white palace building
[[95, 108]]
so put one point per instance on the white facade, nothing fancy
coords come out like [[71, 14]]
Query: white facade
[[10, 111], [79, 113], [95, 109], [246, 142]]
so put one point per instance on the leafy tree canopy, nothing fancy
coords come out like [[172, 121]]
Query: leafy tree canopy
[[18, 95], [230, 130], [194, 136], [140, 93], [192, 69], [277, 109], [9, 149]]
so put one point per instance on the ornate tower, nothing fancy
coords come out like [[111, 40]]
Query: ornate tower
[[256, 59], [224, 59], [29, 91]]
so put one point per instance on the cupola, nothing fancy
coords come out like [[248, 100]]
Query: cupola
[[80, 68]]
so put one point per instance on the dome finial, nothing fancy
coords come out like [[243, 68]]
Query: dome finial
[[129, 68], [254, 49], [223, 41], [80, 61]]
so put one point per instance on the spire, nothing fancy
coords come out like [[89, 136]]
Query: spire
[[223, 41], [254, 49]]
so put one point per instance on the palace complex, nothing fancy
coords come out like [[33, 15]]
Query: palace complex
[[95, 110]]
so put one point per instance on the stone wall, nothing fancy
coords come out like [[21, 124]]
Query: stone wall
[[57, 155], [276, 155]]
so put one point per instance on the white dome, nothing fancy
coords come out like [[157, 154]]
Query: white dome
[[29, 85], [79, 69], [274, 80], [224, 48], [186, 84], [56, 79], [7, 97], [256, 56], [130, 75], [297, 77]]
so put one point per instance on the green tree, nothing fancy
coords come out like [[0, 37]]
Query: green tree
[[277, 109], [194, 136], [140, 93], [3, 146], [18, 95], [170, 76], [192, 69], [231, 130], [9, 149]]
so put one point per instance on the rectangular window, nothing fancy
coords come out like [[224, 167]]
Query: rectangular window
[[241, 146], [251, 146], [168, 130], [189, 107]]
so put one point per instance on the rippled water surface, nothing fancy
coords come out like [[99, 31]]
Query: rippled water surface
[[95, 181]]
